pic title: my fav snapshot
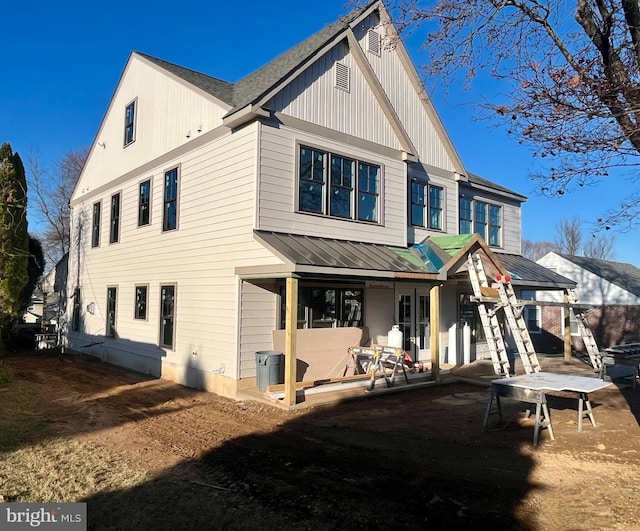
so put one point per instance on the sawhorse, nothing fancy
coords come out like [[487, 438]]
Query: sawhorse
[[531, 396]]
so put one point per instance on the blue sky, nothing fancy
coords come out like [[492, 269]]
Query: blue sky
[[62, 62]]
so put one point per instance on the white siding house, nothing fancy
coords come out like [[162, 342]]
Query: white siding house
[[201, 198]]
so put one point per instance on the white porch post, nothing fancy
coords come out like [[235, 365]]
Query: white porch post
[[291, 329], [434, 323]]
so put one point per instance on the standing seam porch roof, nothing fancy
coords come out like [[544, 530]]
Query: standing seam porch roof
[[343, 254]]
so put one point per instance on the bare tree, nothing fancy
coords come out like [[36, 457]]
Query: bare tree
[[571, 74], [568, 238], [535, 250], [51, 194], [600, 246]]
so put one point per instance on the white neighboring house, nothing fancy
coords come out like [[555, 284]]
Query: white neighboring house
[[35, 310], [613, 288], [327, 174]]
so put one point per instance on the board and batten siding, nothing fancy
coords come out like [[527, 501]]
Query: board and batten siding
[[168, 115], [278, 188], [258, 315], [402, 94], [313, 97], [215, 235]]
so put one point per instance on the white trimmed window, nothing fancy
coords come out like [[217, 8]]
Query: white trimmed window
[[482, 218], [426, 205], [532, 314]]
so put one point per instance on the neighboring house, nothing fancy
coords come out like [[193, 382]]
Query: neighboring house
[[54, 286], [325, 177], [35, 310], [612, 288]]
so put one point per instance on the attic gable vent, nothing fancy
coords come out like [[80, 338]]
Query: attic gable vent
[[342, 76], [373, 42]]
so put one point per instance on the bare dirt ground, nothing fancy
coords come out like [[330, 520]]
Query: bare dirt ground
[[412, 460]]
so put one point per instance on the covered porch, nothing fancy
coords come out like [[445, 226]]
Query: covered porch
[[330, 295]]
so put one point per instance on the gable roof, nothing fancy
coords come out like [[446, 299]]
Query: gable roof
[[250, 88], [626, 276]]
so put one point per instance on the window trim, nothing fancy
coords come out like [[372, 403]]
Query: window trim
[[426, 205], [173, 316], [95, 224], [110, 331], [136, 316], [140, 204], [475, 201], [133, 103], [326, 186], [177, 169], [114, 221]]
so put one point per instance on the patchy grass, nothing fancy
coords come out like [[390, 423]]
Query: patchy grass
[[6, 376], [37, 468], [63, 470]]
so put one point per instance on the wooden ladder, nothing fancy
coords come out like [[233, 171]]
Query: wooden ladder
[[488, 316], [585, 332], [513, 311]]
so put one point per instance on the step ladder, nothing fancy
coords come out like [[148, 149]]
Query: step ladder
[[513, 311], [585, 332], [488, 316]]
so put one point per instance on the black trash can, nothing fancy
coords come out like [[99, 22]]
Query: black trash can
[[269, 368]]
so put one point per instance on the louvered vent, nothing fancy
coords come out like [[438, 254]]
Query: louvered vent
[[342, 76], [373, 42]]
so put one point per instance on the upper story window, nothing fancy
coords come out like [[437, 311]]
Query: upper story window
[[95, 225], [338, 186], [130, 123], [426, 205], [170, 210], [114, 226], [485, 218], [144, 203]]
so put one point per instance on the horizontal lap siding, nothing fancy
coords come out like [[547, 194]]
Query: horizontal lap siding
[[278, 186], [214, 236], [257, 321], [166, 112]]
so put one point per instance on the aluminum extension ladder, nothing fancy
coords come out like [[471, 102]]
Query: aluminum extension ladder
[[488, 316], [513, 311], [585, 332]]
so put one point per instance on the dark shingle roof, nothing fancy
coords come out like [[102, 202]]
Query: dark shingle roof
[[626, 276], [253, 86], [476, 179], [216, 87]]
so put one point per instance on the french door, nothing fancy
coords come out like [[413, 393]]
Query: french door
[[413, 318]]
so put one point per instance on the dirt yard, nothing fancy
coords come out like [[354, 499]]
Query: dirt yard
[[411, 460]]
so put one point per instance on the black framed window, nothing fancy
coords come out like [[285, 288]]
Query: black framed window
[[114, 226], [466, 215], [167, 316], [112, 303], [130, 123], [426, 205], [95, 225], [144, 203], [338, 186], [326, 307], [140, 311], [170, 211]]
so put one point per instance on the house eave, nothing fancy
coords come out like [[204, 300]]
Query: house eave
[[245, 115]]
